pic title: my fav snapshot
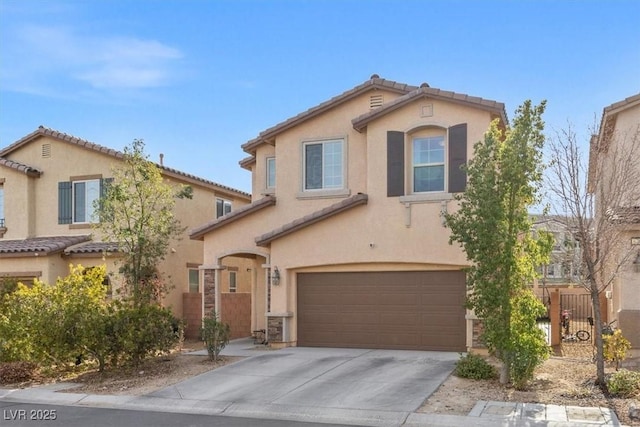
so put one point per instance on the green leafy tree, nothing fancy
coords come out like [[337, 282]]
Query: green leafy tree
[[136, 212], [494, 229]]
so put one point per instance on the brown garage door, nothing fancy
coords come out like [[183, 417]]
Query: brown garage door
[[409, 310]]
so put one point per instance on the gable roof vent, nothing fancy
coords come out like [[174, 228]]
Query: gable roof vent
[[376, 101], [46, 150]]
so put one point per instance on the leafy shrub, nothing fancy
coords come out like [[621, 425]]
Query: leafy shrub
[[624, 383], [215, 334], [16, 372], [528, 346], [136, 332], [474, 367], [615, 347], [54, 326], [48, 324], [7, 286]]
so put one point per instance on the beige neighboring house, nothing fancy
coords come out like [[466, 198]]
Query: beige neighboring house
[[48, 181], [621, 125], [345, 230]]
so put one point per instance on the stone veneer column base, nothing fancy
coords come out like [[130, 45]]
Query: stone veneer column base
[[278, 329]]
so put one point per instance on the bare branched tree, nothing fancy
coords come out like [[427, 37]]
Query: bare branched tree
[[598, 196]]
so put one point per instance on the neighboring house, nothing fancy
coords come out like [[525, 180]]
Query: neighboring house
[[620, 127], [345, 231], [48, 181], [563, 270]]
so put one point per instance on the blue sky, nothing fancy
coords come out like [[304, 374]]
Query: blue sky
[[195, 79]]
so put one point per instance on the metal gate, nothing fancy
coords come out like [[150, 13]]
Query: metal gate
[[580, 311]]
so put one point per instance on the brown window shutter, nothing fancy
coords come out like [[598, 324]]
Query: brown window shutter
[[457, 158], [395, 163]]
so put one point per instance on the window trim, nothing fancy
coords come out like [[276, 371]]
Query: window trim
[[270, 160], [444, 163], [189, 270], [225, 203], [88, 215], [343, 189]]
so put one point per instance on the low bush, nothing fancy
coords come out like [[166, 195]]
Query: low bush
[[17, 372], [624, 383], [615, 347], [215, 334], [474, 367]]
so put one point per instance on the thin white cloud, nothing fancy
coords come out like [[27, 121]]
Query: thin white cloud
[[53, 59]]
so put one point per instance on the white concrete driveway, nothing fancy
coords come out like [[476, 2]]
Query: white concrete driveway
[[308, 380]]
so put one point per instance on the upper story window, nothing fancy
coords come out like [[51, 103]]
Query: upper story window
[[428, 164], [323, 165], [271, 173], [76, 200], [85, 193], [223, 207]]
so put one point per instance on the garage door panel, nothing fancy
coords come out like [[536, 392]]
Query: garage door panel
[[404, 320], [411, 310]]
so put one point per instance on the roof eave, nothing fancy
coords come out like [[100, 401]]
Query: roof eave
[[198, 233], [375, 83], [361, 122], [304, 222]]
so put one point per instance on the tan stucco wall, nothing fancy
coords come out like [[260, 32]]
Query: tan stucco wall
[[388, 233], [39, 197], [624, 304], [20, 190]]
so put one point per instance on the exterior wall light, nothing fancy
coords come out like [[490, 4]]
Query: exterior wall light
[[275, 278]]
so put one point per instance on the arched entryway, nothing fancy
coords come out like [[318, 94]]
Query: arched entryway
[[237, 289]]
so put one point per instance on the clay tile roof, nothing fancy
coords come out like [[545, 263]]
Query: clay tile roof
[[361, 122], [30, 171], [622, 105], [39, 245], [307, 220], [44, 131], [247, 162], [374, 82], [93, 248], [199, 232]]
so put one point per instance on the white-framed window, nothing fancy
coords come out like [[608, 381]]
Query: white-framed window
[[271, 172], [223, 207], [323, 165], [194, 280], [233, 284], [84, 194], [428, 164]]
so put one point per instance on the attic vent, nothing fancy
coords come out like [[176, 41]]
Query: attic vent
[[46, 150], [375, 101]]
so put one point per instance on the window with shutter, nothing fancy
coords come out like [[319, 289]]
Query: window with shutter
[[76, 200]]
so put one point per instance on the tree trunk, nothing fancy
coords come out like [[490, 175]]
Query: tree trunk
[[597, 322]]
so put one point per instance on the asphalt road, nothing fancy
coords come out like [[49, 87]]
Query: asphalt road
[[19, 414]]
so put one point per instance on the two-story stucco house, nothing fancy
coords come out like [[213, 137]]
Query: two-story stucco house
[[619, 131], [345, 231], [48, 181]]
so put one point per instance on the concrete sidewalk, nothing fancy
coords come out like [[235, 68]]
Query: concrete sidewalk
[[333, 402]]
